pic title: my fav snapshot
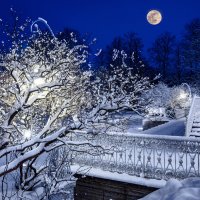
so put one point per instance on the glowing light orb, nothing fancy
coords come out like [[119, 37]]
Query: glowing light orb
[[36, 68], [38, 81], [154, 17], [27, 134], [183, 95]]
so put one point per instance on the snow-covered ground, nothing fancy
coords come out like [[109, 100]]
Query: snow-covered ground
[[134, 125], [172, 128], [132, 122], [188, 189]]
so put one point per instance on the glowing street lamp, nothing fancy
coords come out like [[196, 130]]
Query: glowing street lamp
[[189, 93], [183, 95]]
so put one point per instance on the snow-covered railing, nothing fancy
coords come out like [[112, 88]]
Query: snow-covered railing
[[155, 157], [193, 115]]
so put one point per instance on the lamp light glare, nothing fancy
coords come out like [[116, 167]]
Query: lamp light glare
[[36, 68], [27, 134], [38, 81], [183, 95]]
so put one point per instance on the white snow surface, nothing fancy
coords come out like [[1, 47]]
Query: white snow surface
[[188, 189], [172, 128], [94, 172]]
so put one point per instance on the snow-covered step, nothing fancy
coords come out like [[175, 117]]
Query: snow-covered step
[[193, 121], [197, 119], [193, 126], [195, 129], [196, 124], [196, 134]]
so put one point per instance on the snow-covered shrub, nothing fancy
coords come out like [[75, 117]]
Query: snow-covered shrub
[[58, 179], [164, 101], [157, 100]]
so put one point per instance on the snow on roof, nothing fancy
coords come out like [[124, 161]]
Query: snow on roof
[[98, 173]]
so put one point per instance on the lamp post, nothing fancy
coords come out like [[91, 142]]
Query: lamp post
[[187, 94], [184, 100], [189, 89]]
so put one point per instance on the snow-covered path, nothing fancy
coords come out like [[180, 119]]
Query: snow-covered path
[[172, 128]]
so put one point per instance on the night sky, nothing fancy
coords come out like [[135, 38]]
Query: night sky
[[105, 19]]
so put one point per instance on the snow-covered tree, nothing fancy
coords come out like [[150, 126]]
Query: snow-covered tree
[[190, 50], [45, 95], [161, 53], [43, 80], [117, 90], [42, 88]]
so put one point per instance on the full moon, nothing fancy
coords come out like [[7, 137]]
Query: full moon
[[154, 17]]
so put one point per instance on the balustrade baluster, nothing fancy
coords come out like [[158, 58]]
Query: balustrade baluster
[[148, 156]]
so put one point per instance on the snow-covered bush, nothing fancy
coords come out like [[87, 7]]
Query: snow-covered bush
[[179, 98], [157, 100], [163, 101]]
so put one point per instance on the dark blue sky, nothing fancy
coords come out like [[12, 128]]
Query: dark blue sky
[[105, 19]]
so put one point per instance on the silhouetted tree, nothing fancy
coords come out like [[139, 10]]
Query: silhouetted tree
[[191, 50], [178, 72], [133, 46], [161, 53], [130, 46], [68, 33], [110, 61]]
